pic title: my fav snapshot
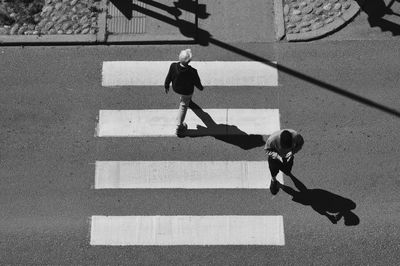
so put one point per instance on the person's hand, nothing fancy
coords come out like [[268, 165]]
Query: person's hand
[[166, 89], [289, 156], [274, 155]]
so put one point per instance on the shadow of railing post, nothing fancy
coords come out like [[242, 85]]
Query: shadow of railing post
[[376, 10]]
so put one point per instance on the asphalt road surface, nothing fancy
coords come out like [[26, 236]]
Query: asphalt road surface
[[343, 97]]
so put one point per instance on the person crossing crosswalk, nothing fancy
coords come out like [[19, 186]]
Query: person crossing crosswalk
[[183, 78], [280, 148], [181, 229]]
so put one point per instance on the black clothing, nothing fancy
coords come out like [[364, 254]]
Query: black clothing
[[275, 165], [183, 79]]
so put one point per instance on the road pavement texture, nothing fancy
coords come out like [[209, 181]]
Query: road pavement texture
[[51, 153]]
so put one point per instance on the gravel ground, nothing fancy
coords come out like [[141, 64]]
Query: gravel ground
[[58, 17], [308, 15]]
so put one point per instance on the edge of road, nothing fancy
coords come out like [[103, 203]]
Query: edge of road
[[101, 36]]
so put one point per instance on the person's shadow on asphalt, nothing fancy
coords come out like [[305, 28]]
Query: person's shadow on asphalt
[[228, 133], [326, 203]]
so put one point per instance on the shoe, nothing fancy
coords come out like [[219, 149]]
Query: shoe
[[274, 188], [181, 130]]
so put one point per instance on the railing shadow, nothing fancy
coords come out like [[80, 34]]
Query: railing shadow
[[375, 11], [389, 6], [326, 203], [227, 133], [203, 37]]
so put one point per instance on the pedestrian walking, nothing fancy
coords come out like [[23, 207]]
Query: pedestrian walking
[[184, 78], [280, 148]]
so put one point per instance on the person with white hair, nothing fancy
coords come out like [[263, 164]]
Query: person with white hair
[[184, 78]]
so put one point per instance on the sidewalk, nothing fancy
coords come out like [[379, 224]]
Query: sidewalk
[[227, 21]]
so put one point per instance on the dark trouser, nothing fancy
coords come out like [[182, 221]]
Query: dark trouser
[[275, 165]]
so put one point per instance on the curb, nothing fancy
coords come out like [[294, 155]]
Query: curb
[[279, 20], [102, 23], [129, 38], [51, 39]]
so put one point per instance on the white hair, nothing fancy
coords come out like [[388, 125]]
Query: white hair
[[185, 56]]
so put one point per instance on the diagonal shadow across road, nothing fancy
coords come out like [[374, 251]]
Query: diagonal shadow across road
[[204, 38]]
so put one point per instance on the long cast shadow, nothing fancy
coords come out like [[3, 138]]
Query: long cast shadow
[[376, 10], [203, 37], [389, 6], [326, 203], [227, 133]]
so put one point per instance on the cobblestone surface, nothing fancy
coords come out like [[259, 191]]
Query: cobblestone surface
[[60, 17], [299, 19], [309, 15]]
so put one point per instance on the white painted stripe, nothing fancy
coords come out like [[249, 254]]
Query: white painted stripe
[[183, 175], [215, 73], [187, 230], [162, 122]]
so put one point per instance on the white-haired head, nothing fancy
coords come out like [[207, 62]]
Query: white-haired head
[[185, 56]]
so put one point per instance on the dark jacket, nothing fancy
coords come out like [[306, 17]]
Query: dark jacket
[[183, 79]]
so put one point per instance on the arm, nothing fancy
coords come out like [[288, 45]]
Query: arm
[[197, 81], [270, 149], [168, 79], [273, 154], [298, 143]]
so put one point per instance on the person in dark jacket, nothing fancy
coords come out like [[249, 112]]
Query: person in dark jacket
[[184, 78], [280, 149]]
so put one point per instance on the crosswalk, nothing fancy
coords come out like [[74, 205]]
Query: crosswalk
[[218, 73], [187, 230], [182, 175], [162, 123], [160, 230]]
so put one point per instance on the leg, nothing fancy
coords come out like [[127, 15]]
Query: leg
[[274, 166], [287, 165], [183, 106]]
